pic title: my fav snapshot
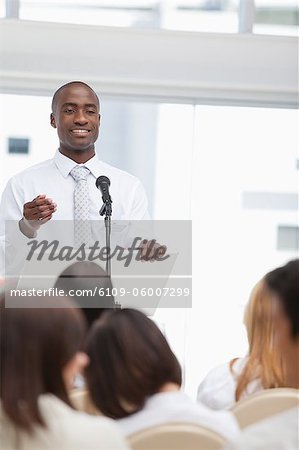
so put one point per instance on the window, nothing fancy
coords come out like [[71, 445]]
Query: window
[[279, 17], [236, 150], [199, 15], [2, 8], [93, 12], [18, 145], [288, 238]]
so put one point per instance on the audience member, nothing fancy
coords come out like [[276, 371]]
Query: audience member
[[81, 279], [40, 355], [260, 369], [280, 432], [134, 377]]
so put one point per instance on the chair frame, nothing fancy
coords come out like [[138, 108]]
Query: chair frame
[[178, 431], [264, 404]]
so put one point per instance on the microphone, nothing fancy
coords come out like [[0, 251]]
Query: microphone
[[103, 184]]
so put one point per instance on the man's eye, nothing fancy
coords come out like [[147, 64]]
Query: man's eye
[[91, 111], [69, 110]]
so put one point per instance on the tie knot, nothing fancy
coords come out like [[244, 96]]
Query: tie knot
[[80, 173]]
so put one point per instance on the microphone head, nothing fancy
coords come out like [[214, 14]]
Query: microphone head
[[102, 182]]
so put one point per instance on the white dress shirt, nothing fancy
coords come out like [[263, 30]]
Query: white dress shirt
[[52, 178], [67, 429], [279, 432], [218, 389], [175, 406]]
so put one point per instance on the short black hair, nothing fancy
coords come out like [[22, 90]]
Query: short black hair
[[284, 281], [86, 276], [56, 94]]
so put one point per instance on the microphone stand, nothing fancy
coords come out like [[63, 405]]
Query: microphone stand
[[107, 211]]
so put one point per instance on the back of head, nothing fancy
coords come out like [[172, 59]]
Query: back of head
[[35, 344], [258, 319], [130, 360], [284, 283], [264, 360], [80, 281]]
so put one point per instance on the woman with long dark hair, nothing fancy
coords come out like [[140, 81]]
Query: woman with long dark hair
[[40, 351]]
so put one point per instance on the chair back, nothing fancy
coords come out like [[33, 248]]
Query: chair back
[[264, 404], [176, 436]]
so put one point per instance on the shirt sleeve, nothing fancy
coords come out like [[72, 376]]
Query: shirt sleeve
[[96, 433], [12, 201], [139, 208], [217, 390], [11, 209]]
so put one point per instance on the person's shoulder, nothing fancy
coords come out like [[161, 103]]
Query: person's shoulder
[[96, 432], [221, 421], [81, 430], [88, 422], [217, 389], [36, 167], [31, 170], [284, 422], [217, 373], [276, 432], [231, 368]]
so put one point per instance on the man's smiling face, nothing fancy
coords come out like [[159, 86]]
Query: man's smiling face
[[76, 117]]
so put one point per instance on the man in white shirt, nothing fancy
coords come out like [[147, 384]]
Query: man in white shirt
[[45, 191], [281, 431]]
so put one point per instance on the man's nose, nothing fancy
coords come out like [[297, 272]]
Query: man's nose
[[80, 118]]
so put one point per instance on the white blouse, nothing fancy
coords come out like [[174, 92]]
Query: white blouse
[[217, 390], [53, 178], [67, 429], [175, 406]]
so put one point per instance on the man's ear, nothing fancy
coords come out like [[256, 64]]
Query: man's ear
[[99, 118], [52, 120]]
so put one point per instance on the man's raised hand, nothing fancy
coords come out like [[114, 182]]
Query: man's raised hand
[[35, 213]]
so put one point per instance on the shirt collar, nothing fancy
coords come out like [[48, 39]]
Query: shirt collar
[[65, 164], [159, 398]]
